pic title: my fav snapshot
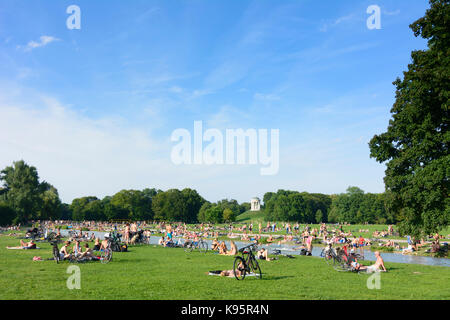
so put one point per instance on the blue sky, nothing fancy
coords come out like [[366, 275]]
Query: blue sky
[[93, 109]]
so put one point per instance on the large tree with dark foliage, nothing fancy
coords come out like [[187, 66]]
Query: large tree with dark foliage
[[415, 145], [22, 190]]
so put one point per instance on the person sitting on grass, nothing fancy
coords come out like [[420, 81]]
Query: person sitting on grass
[[389, 243], [270, 239], [97, 244], [377, 266], [353, 261], [223, 248], [263, 255], [435, 246], [215, 245], [76, 248], [63, 253], [25, 245], [409, 249], [233, 251], [88, 253], [104, 244]]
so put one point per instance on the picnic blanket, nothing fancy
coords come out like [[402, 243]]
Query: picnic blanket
[[15, 248]]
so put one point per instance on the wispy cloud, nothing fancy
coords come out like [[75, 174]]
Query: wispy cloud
[[326, 26], [43, 41], [391, 13], [266, 97]]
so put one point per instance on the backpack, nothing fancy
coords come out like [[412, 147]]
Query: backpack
[[123, 248]]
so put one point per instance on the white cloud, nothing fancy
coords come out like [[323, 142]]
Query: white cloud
[[266, 97], [79, 155], [391, 13], [44, 40]]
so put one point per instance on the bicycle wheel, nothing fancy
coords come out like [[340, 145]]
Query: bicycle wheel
[[188, 247], [203, 246], [329, 259], [56, 254], [51, 236], [343, 267], [106, 256], [254, 266], [239, 268]]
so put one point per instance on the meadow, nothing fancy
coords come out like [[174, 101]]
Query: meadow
[[151, 272]]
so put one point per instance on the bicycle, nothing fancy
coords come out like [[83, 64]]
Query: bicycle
[[330, 255], [201, 245], [55, 251], [343, 262], [106, 253], [246, 263]]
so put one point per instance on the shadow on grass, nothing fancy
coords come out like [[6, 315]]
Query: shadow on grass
[[266, 277]]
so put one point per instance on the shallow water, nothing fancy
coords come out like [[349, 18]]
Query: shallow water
[[289, 249]]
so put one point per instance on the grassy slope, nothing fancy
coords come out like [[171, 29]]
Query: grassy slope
[[149, 272], [251, 216]]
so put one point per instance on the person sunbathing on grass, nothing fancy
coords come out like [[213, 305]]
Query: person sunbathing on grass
[[263, 255], [270, 239], [228, 273], [25, 245], [377, 266], [223, 248], [233, 251], [215, 245]]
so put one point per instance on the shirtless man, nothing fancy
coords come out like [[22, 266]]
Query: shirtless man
[[104, 243], [377, 266], [63, 253]]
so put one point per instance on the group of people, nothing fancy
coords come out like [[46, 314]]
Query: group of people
[[82, 251]]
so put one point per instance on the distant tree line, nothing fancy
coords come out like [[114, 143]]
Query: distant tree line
[[285, 205], [23, 198], [222, 211], [354, 206]]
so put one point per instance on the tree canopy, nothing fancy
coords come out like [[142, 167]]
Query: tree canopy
[[415, 145]]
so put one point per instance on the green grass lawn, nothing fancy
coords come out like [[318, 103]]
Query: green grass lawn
[[148, 272]]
